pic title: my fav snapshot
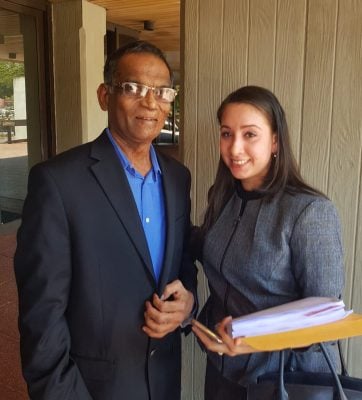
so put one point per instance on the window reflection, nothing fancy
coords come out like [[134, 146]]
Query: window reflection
[[13, 118], [171, 130]]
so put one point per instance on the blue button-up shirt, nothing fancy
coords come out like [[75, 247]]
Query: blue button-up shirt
[[149, 197]]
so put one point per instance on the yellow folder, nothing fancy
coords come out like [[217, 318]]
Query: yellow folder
[[343, 329]]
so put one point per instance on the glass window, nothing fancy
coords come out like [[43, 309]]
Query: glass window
[[21, 90]]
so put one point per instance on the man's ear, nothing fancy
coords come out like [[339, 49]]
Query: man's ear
[[103, 96]]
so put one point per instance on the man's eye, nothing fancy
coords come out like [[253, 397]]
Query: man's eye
[[162, 93], [128, 88]]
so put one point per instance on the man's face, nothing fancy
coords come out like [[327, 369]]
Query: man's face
[[135, 121]]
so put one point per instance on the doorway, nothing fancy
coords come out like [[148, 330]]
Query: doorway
[[23, 117]]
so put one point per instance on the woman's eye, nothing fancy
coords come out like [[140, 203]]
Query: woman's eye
[[225, 134], [250, 134]]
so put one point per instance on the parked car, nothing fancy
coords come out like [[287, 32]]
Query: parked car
[[169, 133]]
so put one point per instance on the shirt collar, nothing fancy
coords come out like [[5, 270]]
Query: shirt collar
[[127, 165], [245, 194]]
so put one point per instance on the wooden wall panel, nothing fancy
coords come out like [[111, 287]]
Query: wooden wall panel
[[309, 53], [289, 63], [262, 37], [209, 81], [66, 22], [318, 92], [193, 364], [78, 56], [189, 95], [346, 125], [234, 52], [201, 152], [355, 344], [346, 143]]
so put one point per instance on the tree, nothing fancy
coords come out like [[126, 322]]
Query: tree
[[9, 71]]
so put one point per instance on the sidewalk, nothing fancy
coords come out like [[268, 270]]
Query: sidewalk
[[13, 176], [9, 150], [12, 385]]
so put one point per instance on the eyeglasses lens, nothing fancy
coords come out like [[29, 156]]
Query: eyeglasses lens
[[163, 94]]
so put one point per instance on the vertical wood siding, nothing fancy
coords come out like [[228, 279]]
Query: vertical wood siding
[[309, 52], [344, 183]]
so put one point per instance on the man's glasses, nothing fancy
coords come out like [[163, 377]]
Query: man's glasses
[[132, 89]]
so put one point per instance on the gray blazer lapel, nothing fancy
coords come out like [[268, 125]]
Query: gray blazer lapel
[[114, 183]]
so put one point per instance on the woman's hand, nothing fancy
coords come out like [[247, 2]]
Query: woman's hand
[[231, 347]]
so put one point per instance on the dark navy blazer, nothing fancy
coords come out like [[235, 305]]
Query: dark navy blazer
[[84, 272]]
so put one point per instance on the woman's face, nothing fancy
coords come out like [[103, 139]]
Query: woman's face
[[247, 143]]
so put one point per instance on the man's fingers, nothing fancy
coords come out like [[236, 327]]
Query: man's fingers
[[175, 305], [162, 318], [154, 314], [158, 324], [173, 289]]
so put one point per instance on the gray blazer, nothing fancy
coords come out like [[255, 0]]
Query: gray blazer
[[278, 251]]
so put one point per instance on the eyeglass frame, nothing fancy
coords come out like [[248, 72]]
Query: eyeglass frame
[[120, 85]]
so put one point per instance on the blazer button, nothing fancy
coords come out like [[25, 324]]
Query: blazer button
[[153, 351]]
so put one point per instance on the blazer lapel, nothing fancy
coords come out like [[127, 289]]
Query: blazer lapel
[[170, 191], [114, 183]]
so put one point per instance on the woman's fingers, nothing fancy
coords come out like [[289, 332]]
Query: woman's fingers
[[229, 346]]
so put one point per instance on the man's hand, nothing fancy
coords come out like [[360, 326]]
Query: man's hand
[[166, 313]]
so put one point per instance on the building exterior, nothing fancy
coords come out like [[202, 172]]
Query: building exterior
[[308, 52]]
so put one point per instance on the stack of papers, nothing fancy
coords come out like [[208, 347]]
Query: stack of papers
[[304, 313]]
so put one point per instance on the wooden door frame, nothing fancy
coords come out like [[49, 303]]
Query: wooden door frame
[[38, 10]]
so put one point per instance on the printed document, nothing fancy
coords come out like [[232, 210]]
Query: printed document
[[311, 311]]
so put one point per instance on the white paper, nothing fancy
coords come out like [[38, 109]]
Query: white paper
[[298, 314]]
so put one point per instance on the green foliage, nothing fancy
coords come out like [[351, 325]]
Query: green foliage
[[9, 71]]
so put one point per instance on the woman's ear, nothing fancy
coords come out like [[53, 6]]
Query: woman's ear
[[275, 143], [103, 96]]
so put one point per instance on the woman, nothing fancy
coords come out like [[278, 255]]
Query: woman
[[268, 238]]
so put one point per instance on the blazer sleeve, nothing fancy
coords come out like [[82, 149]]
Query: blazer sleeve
[[316, 250], [43, 274]]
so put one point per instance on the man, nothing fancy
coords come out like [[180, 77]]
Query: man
[[102, 267]]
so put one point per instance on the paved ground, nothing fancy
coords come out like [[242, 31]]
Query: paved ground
[[13, 149], [13, 176], [12, 386]]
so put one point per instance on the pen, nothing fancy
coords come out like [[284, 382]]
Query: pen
[[207, 331]]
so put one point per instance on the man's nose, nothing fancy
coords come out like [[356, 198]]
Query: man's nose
[[149, 100]]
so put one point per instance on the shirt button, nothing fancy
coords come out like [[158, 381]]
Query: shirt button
[[147, 220], [152, 352]]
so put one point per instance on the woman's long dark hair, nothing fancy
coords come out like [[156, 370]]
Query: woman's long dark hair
[[283, 174]]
